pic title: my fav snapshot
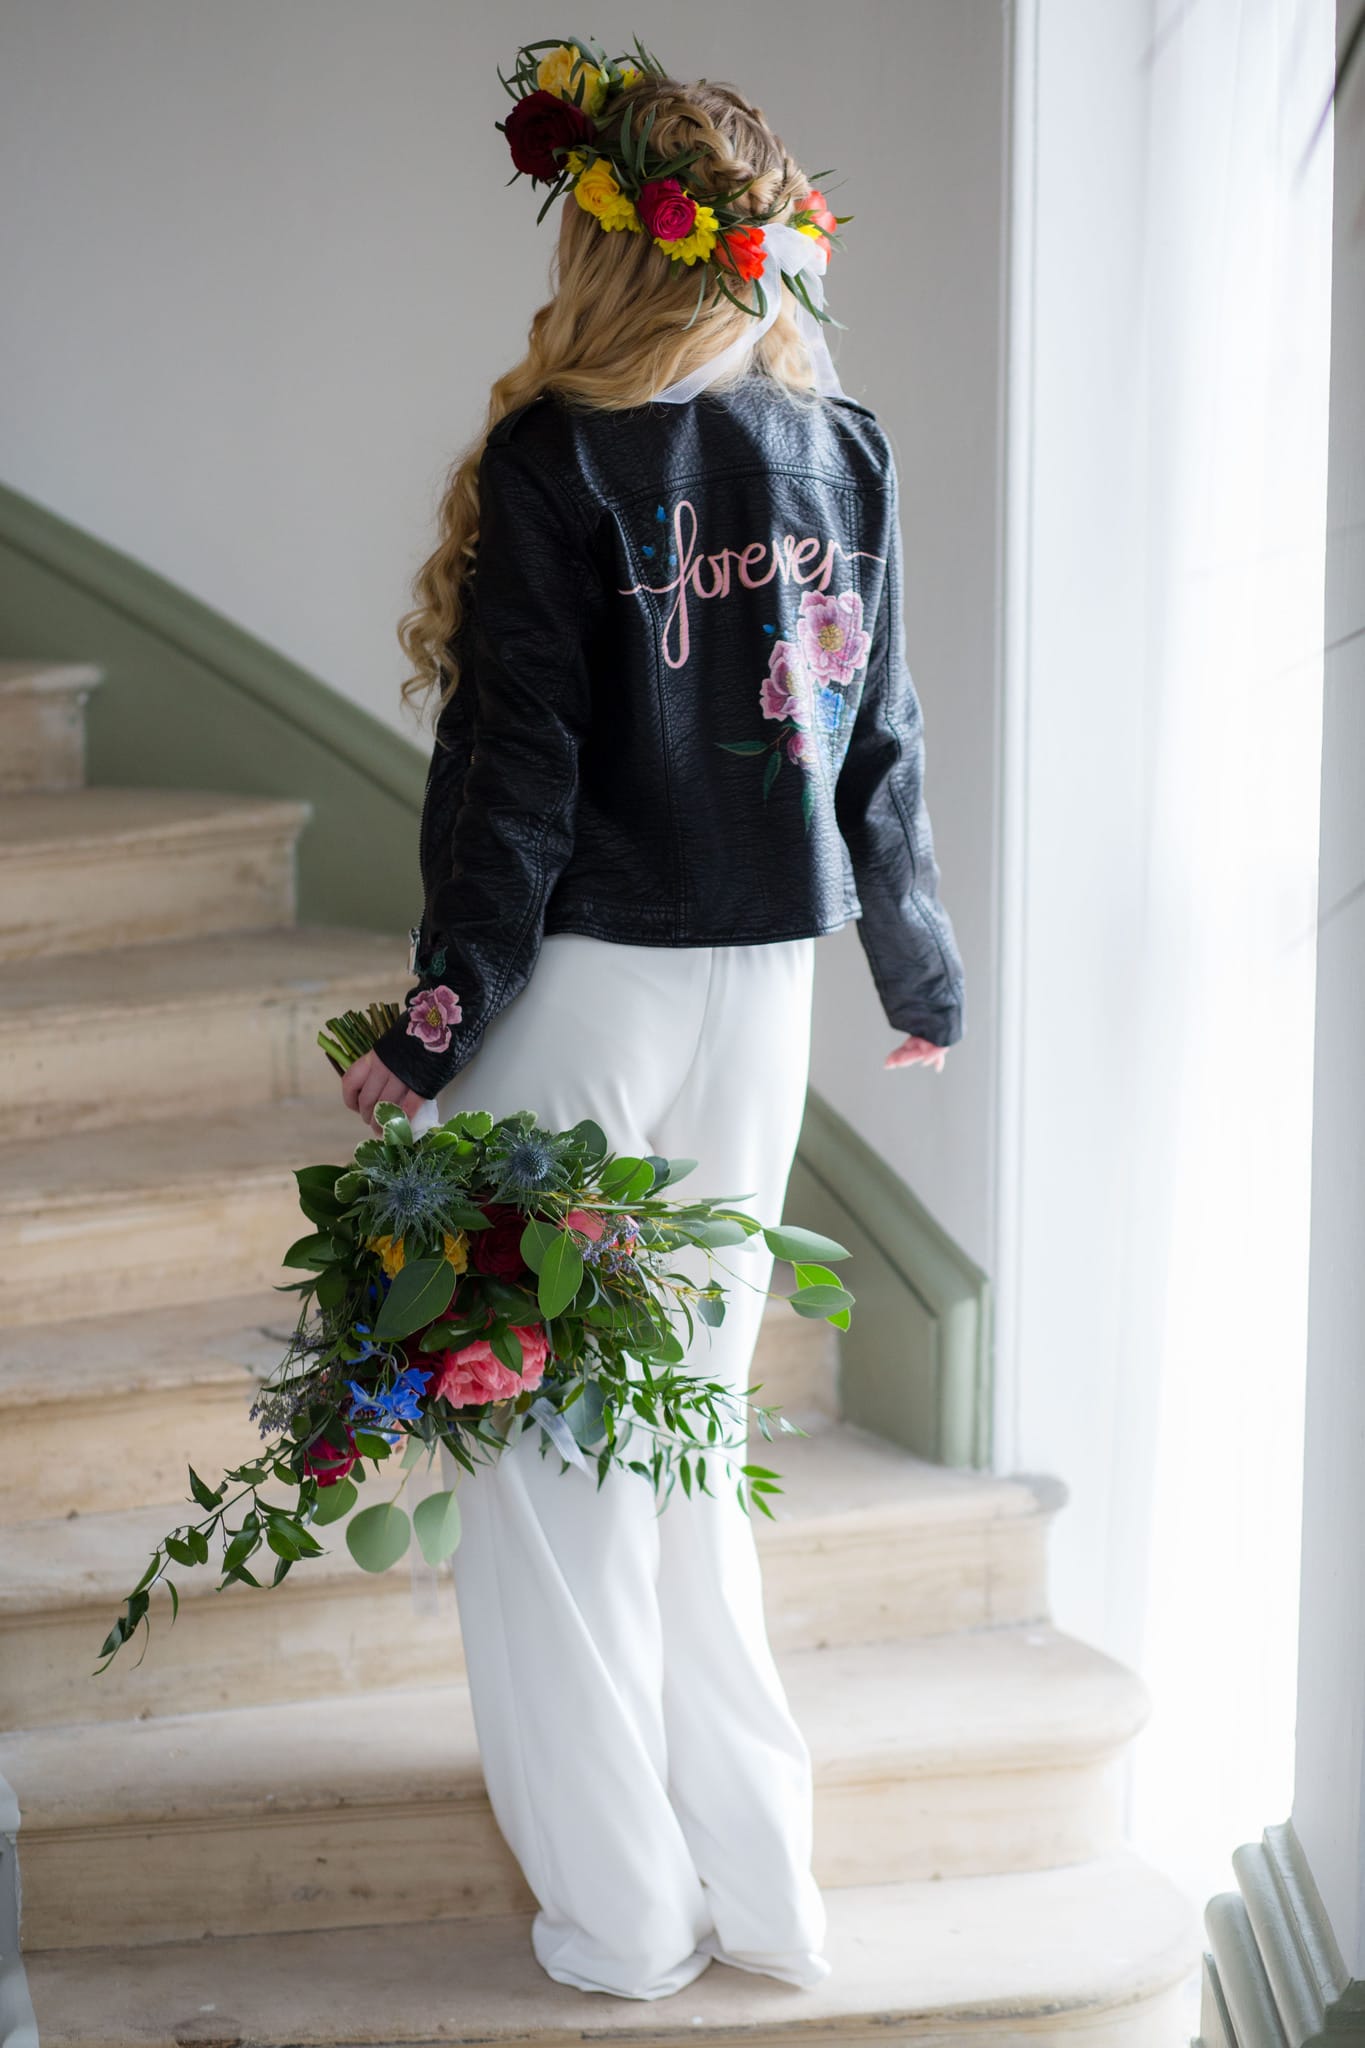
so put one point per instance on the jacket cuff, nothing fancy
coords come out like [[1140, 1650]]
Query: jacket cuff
[[416, 1065]]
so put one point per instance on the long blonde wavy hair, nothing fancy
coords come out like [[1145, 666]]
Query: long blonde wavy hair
[[620, 326]]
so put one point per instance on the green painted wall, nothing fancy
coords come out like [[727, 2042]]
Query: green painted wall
[[191, 701]]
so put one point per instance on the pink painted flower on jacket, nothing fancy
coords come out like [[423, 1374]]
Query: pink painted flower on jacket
[[785, 690], [431, 1012], [474, 1373], [831, 637]]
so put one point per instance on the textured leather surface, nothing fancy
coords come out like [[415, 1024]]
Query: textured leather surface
[[632, 751]]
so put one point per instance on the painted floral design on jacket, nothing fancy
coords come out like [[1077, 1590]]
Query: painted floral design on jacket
[[809, 688]]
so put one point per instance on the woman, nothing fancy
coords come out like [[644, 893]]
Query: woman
[[676, 741]]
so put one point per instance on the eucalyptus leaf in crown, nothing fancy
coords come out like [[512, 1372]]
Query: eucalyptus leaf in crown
[[574, 126], [462, 1286]]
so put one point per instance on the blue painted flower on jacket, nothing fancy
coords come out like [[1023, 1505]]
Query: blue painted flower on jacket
[[809, 688]]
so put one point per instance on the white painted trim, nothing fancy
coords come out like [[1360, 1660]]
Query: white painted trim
[[1015, 581]]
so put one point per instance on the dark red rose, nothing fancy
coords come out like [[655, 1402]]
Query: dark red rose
[[540, 124], [666, 211], [497, 1251], [327, 1463]]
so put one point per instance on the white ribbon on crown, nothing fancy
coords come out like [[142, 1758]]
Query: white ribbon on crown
[[784, 248]]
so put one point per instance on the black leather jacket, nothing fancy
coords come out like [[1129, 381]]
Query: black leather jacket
[[684, 716]]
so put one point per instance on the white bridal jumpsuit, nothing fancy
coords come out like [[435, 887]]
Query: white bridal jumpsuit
[[639, 1751]]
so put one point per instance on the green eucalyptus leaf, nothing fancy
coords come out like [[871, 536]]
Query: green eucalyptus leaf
[[536, 1240], [591, 1137], [711, 1309], [335, 1501], [561, 1274], [678, 1169], [419, 1294], [716, 1232], [789, 1241], [377, 1537], [437, 1522], [821, 1301]]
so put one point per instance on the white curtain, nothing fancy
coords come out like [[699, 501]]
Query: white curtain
[[1237, 295]]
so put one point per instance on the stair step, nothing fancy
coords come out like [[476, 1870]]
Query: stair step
[[157, 1030], [88, 869], [95, 1223], [867, 1544], [42, 724], [953, 1756], [1101, 1950]]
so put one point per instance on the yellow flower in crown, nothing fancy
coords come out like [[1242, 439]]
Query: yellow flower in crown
[[695, 247], [390, 1250], [456, 1249], [561, 72], [631, 74], [598, 193]]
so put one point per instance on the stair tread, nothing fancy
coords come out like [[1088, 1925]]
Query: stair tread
[[67, 821], [153, 1161], [837, 1480], [37, 678], [250, 966], [1036, 1947], [1006, 1698]]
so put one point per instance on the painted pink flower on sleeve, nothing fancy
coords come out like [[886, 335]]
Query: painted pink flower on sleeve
[[431, 1012], [785, 690], [829, 631]]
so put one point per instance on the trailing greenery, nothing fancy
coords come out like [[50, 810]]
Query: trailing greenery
[[459, 1287]]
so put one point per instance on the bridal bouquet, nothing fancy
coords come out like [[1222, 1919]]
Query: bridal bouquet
[[461, 1286]]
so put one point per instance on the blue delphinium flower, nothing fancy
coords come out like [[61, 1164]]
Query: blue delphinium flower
[[402, 1402]]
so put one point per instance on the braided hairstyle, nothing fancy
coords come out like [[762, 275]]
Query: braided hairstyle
[[621, 325]]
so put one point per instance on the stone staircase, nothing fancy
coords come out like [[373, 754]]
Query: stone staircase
[[224, 1844]]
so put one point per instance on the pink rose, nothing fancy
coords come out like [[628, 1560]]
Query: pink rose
[[431, 1012], [666, 210], [798, 746], [785, 690], [584, 1220], [830, 632], [474, 1374]]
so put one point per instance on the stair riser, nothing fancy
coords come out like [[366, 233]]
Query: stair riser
[[132, 1450], [55, 901], [42, 740], [246, 1649], [81, 1259], [91, 1069], [382, 1867], [128, 1452]]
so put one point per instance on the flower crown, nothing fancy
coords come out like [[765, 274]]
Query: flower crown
[[563, 94]]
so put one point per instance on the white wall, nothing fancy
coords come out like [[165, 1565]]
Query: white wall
[[260, 269]]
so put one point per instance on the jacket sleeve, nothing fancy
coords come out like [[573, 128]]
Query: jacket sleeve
[[879, 802], [510, 824]]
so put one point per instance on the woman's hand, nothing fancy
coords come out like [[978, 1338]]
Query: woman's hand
[[917, 1052], [368, 1081]]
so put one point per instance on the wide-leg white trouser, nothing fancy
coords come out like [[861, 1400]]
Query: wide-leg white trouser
[[639, 1751]]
